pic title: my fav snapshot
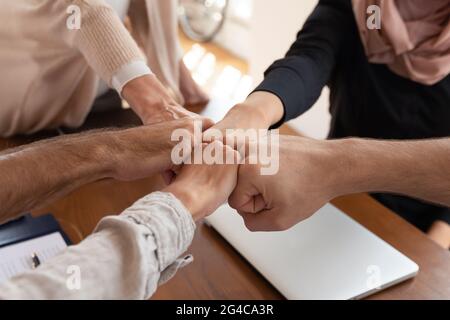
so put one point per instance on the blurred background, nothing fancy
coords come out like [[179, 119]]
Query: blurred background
[[229, 44]]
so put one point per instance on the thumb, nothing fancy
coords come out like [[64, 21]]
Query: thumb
[[246, 197]]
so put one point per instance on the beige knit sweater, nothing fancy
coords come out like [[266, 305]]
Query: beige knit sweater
[[49, 72]]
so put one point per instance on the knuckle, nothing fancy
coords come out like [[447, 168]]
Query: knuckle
[[182, 123], [218, 144], [188, 123]]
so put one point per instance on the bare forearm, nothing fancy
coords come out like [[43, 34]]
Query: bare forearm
[[37, 174], [418, 169]]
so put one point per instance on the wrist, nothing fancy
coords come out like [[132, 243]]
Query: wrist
[[326, 161], [188, 198], [246, 116], [264, 106]]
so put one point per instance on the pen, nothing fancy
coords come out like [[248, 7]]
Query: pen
[[35, 260]]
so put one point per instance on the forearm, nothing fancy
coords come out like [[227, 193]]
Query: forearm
[[299, 78], [115, 56], [102, 38], [127, 257], [419, 169], [34, 175]]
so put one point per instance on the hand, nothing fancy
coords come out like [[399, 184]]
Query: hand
[[142, 151], [306, 180], [203, 188], [259, 111], [152, 102]]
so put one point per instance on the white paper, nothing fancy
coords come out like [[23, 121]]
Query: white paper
[[17, 258]]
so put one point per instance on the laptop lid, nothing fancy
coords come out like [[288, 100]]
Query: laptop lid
[[329, 256]]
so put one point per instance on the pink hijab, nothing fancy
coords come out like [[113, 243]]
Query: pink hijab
[[414, 39]]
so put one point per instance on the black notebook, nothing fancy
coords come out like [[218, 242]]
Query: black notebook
[[27, 240]]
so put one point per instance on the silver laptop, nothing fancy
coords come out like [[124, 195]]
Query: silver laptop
[[329, 256]]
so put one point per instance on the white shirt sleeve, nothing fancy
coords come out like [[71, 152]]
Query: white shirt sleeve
[[127, 256], [129, 72]]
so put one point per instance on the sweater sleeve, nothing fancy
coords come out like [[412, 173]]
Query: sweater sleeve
[[127, 257], [298, 78], [103, 39]]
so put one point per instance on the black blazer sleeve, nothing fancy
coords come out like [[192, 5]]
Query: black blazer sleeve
[[298, 78]]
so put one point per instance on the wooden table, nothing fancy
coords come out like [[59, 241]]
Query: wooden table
[[219, 272]]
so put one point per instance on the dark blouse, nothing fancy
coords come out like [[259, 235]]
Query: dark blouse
[[367, 100]]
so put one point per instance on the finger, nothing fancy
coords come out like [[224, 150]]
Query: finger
[[176, 169], [237, 138], [262, 221], [207, 123], [190, 157], [212, 134], [244, 191], [255, 205], [230, 153], [168, 176], [155, 120]]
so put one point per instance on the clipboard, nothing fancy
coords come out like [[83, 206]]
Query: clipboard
[[27, 242], [29, 227]]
